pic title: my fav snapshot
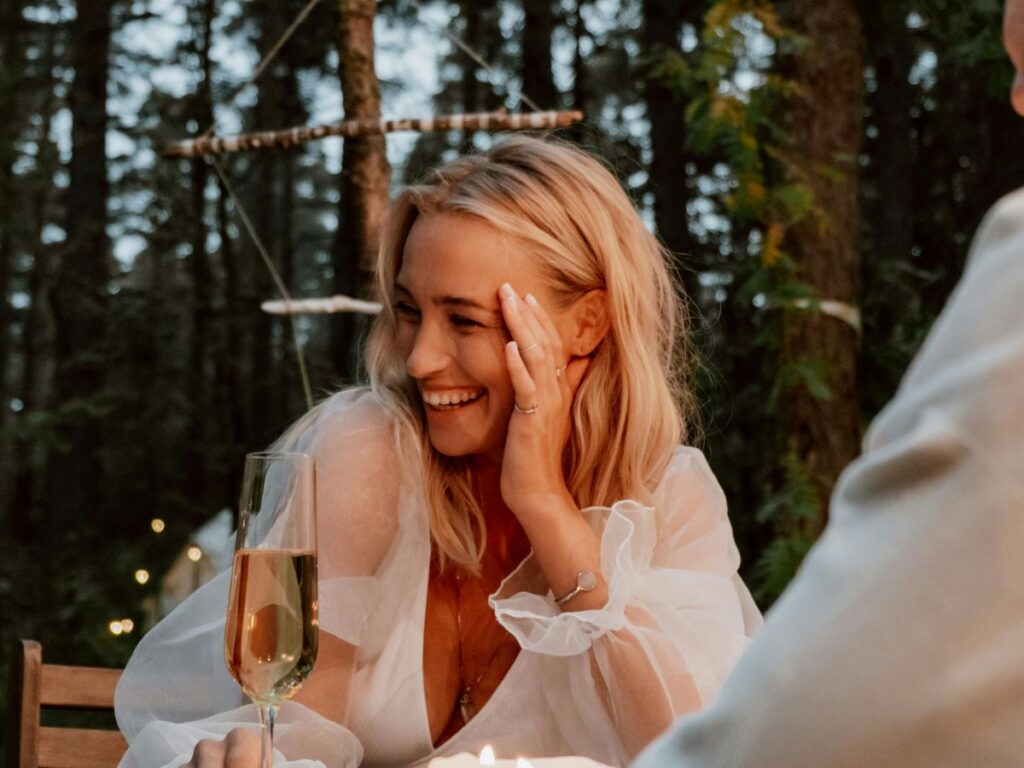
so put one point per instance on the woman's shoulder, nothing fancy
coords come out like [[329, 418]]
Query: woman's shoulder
[[689, 484], [366, 465], [687, 461], [360, 406], [352, 415]]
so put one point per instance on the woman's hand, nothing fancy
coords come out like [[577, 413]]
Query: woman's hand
[[545, 382], [239, 749]]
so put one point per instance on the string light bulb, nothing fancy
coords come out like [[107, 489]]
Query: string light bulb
[[195, 554], [157, 525], [142, 575]]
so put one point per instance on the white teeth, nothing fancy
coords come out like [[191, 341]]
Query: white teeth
[[438, 399]]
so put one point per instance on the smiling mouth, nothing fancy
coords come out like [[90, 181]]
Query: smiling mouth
[[450, 401]]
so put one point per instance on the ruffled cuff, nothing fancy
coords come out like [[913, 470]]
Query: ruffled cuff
[[627, 532]]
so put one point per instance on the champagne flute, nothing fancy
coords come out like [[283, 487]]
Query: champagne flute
[[270, 638]]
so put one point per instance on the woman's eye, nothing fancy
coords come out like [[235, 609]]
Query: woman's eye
[[460, 321], [407, 311]]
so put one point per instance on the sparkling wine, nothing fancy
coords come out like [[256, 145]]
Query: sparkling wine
[[271, 633]]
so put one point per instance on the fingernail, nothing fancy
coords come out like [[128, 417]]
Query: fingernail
[[513, 346], [507, 292], [531, 299]]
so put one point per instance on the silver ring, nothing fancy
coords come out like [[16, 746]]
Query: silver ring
[[527, 349], [527, 411], [559, 372]]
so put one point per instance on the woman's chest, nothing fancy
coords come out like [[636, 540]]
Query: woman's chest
[[466, 653]]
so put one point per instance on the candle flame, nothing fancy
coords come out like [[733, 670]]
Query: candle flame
[[487, 755], [522, 762]]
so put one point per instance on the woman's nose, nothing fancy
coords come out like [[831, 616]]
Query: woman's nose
[[429, 354]]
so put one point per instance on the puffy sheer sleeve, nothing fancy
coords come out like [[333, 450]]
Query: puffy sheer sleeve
[[676, 619], [175, 689]]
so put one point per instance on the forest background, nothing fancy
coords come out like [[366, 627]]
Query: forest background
[[817, 167]]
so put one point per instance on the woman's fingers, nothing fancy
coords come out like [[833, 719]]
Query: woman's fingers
[[209, 753], [524, 330], [239, 749], [243, 748], [540, 344], [522, 381], [547, 325]]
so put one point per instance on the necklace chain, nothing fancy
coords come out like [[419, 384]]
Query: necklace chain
[[466, 708]]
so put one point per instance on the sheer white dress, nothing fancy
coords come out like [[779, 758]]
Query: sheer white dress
[[599, 683]]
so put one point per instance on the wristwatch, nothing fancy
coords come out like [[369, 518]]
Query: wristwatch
[[585, 581]]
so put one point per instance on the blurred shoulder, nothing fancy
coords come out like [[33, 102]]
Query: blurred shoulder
[[1003, 223], [352, 427], [359, 410]]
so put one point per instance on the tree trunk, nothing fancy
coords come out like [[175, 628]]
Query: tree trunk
[[825, 127], [469, 11], [888, 196], [581, 95], [538, 28], [200, 426], [365, 173], [659, 37], [892, 56], [11, 65], [80, 293], [35, 382]]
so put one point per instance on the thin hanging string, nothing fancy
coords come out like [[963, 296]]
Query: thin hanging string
[[480, 60], [267, 59], [299, 355]]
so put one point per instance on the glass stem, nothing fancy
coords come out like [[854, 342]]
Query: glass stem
[[268, 713]]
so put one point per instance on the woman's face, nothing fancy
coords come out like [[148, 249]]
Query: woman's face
[[451, 330]]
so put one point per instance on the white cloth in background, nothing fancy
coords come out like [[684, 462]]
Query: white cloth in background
[[900, 644], [677, 618]]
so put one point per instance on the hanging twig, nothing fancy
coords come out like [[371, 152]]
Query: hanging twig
[[329, 305], [265, 62], [479, 59], [247, 223], [289, 137]]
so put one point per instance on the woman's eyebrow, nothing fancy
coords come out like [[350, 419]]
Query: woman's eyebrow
[[451, 301], [458, 301]]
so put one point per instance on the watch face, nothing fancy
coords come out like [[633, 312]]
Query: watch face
[[586, 580]]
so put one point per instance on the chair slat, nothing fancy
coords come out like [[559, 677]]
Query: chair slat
[[37, 687], [80, 748], [25, 684], [78, 687]]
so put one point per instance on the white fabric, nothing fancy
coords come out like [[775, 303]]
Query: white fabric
[[901, 641], [598, 683]]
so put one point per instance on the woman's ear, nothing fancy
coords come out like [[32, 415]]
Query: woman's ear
[[590, 322]]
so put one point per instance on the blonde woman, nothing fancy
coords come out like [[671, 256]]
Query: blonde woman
[[516, 548]]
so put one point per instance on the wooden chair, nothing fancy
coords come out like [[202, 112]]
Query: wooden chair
[[37, 687]]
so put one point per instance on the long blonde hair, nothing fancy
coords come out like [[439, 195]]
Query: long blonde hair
[[570, 213]]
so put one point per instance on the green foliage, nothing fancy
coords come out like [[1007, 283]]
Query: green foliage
[[779, 563], [811, 374], [794, 507]]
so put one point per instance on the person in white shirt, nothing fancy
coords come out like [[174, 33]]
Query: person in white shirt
[[900, 643], [515, 548]]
